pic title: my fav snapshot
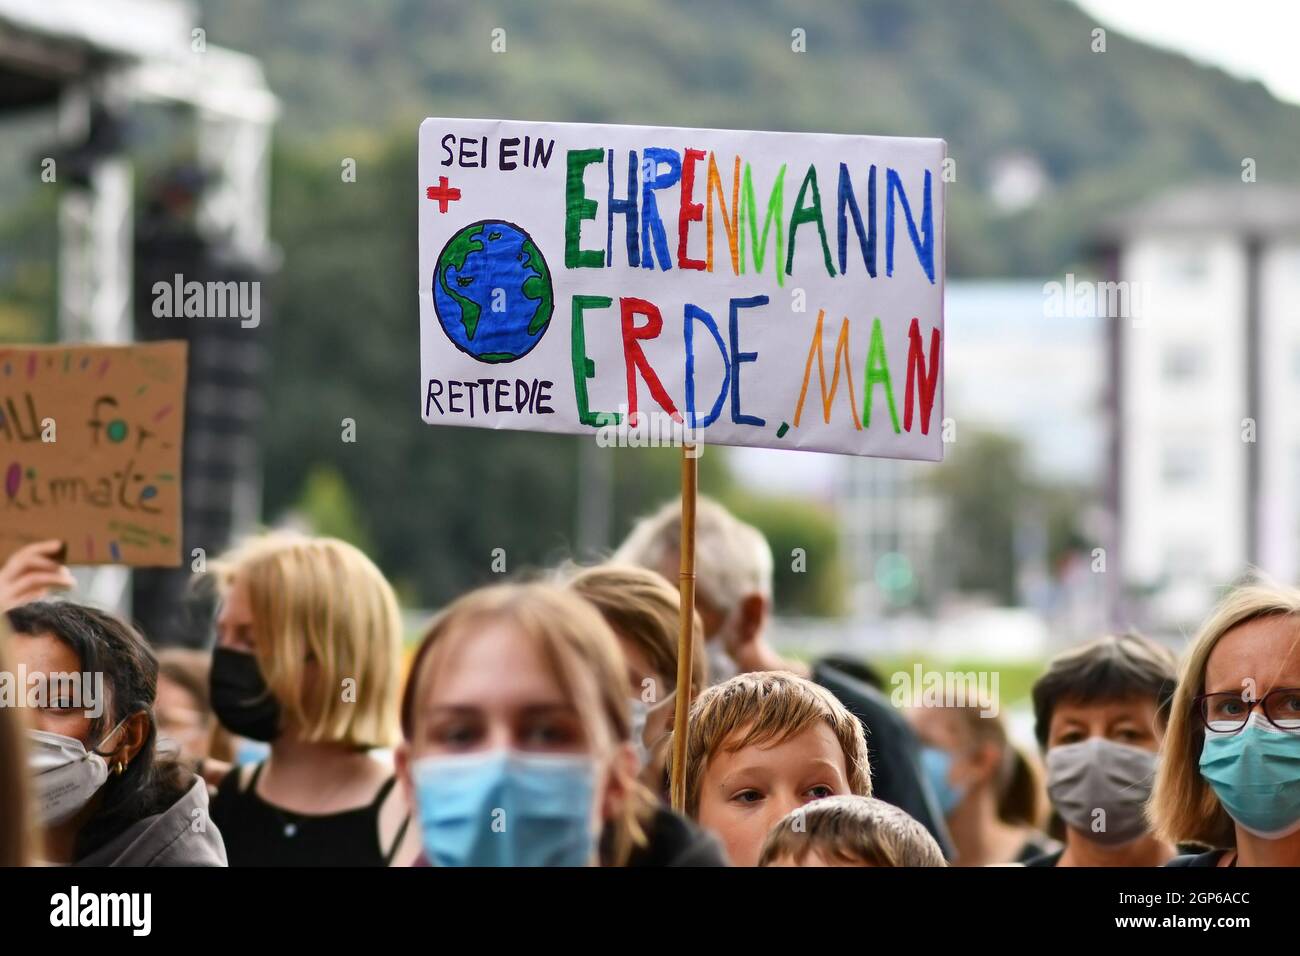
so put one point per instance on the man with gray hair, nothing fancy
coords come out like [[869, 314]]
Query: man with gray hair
[[733, 586], [733, 591]]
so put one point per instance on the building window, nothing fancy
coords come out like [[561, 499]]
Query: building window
[[1295, 483], [1186, 560], [1187, 265], [1183, 363], [1183, 466]]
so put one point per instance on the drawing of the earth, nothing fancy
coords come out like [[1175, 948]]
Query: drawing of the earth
[[492, 291]]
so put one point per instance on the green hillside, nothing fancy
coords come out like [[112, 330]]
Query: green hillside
[[992, 77], [989, 76]]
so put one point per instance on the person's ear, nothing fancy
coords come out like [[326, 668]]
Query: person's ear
[[623, 770], [986, 760], [131, 737], [753, 618]]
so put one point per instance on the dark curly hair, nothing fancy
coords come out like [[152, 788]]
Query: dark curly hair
[[106, 644]]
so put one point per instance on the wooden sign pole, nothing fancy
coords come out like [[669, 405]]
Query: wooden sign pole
[[681, 726]]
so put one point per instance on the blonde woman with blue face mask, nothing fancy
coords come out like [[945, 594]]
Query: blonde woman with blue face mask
[[1231, 775], [518, 748]]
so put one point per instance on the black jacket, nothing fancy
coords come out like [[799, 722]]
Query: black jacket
[[894, 751], [675, 841]]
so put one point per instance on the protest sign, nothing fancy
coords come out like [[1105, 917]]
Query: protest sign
[[90, 450], [746, 288]]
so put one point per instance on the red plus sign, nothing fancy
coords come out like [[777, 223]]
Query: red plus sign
[[442, 193]]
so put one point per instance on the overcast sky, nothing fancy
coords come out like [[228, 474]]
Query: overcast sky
[[1249, 38]]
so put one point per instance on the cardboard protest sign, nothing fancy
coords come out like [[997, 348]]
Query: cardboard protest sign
[[745, 288], [90, 450]]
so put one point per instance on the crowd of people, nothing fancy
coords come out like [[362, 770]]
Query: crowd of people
[[533, 725]]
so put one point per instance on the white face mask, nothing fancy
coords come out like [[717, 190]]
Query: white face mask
[[66, 774], [640, 711]]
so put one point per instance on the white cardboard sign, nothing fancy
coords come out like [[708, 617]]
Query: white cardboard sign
[[651, 285]]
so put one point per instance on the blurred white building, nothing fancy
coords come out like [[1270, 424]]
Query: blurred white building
[[99, 70], [1204, 396], [890, 525], [1010, 366]]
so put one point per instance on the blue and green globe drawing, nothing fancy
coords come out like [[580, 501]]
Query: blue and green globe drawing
[[492, 291]]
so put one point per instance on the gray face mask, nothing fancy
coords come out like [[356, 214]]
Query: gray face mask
[[1100, 775]]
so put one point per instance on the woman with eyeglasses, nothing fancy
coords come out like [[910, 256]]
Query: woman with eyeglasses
[[1230, 779]]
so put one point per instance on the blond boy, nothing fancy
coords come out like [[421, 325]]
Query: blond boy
[[849, 831], [763, 744]]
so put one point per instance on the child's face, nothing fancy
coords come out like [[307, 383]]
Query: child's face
[[744, 793]]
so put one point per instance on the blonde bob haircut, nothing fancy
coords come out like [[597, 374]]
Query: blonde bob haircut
[[585, 658], [1183, 807], [645, 610], [852, 830], [768, 707], [321, 600]]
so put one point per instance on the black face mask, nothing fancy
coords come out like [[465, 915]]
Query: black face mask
[[240, 697]]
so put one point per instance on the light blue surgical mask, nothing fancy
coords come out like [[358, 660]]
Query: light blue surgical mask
[[936, 763], [250, 751], [1256, 776], [506, 808]]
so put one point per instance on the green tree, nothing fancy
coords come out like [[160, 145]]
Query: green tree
[[328, 507], [985, 487], [994, 504], [989, 76], [808, 577]]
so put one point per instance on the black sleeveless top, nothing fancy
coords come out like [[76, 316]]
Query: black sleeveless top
[[258, 833]]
